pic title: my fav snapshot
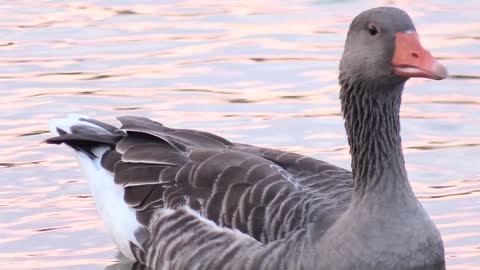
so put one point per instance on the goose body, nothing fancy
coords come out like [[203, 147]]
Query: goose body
[[188, 199]]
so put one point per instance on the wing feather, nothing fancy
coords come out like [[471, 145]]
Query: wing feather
[[137, 174], [154, 153], [261, 192]]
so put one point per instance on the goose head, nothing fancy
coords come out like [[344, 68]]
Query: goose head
[[383, 47]]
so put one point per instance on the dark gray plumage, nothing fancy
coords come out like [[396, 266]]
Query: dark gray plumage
[[262, 192], [207, 203]]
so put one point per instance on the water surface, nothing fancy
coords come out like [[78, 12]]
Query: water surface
[[260, 72]]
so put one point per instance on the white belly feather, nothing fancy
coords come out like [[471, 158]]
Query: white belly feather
[[119, 219]]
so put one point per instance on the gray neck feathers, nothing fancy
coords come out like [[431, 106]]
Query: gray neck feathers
[[372, 123]]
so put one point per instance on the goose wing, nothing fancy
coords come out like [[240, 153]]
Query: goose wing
[[317, 176], [260, 192]]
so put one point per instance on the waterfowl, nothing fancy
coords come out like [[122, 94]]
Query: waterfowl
[[188, 199]]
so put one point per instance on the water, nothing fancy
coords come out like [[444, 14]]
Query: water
[[260, 72]]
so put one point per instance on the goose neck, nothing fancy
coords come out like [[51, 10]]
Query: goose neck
[[372, 122]]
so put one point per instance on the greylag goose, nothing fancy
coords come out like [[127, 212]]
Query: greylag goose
[[188, 199]]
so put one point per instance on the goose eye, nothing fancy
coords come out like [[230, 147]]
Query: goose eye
[[372, 28]]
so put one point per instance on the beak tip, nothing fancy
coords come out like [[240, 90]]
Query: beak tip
[[440, 71]]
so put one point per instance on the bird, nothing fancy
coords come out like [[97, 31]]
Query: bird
[[188, 199]]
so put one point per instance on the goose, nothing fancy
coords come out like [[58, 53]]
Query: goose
[[188, 199]]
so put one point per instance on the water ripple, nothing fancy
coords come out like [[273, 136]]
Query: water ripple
[[260, 72]]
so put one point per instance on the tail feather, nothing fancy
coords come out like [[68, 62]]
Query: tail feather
[[83, 134], [98, 124]]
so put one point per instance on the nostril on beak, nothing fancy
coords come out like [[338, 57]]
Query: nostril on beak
[[414, 55]]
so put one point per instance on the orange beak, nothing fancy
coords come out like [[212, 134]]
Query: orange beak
[[410, 59]]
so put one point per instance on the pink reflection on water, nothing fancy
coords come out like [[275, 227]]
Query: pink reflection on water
[[94, 58]]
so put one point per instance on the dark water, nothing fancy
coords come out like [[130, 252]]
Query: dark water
[[260, 72]]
